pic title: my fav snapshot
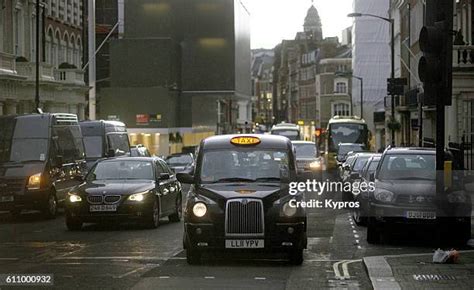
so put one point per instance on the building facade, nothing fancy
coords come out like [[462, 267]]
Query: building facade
[[262, 86], [62, 87]]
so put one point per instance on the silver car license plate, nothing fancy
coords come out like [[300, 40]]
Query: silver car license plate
[[103, 208], [244, 244], [424, 215]]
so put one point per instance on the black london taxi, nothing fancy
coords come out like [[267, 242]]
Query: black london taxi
[[239, 199], [41, 158], [140, 189]]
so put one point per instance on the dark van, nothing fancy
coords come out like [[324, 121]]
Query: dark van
[[41, 158], [104, 139]]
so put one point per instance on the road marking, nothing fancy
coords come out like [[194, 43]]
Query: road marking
[[209, 277], [131, 272], [260, 278], [345, 269], [356, 236], [164, 277], [112, 258], [354, 231], [357, 241], [335, 267], [359, 247]]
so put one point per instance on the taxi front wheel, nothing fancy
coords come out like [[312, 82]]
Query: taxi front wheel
[[296, 257]]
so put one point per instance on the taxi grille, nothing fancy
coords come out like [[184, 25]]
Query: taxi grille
[[244, 217], [111, 198], [95, 199], [11, 185]]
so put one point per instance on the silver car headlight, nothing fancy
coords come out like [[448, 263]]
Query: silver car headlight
[[384, 195], [73, 197], [199, 209]]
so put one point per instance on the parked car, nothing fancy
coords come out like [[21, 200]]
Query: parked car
[[352, 174], [359, 215], [180, 162], [141, 189], [240, 198], [308, 161], [41, 159], [104, 139], [405, 195], [139, 151]]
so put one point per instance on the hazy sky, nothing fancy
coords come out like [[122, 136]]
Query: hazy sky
[[274, 20]]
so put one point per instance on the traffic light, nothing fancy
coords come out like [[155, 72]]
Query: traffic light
[[436, 43]]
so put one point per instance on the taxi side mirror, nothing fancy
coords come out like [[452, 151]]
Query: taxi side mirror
[[185, 178], [372, 176]]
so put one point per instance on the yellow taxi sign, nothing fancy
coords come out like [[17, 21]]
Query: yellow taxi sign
[[245, 140]]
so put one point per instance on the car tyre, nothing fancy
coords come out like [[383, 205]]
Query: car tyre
[[296, 257], [73, 224], [177, 215], [373, 233], [50, 209], [152, 221]]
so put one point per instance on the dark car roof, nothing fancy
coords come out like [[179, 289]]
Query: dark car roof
[[266, 141], [410, 150], [131, 159]]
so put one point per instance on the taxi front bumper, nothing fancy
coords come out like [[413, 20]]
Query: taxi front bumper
[[282, 236]]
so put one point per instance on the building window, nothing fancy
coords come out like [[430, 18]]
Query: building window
[[341, 88], [340, 109]]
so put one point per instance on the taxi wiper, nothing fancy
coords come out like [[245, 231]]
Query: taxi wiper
[[233, 179]]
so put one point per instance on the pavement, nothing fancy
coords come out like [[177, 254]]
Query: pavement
[[417, 271]]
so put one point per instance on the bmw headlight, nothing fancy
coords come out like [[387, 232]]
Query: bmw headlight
[[199, 209], [137, 196], [384, 195], [457, 197], [289, 209], [34, 181], [74, 197]]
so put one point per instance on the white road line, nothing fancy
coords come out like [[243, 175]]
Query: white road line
[[335, 267], [112, 258], [353, 227], [345, 268], [131, 272], [357, 241], [359, 247], [356, 236], [209, 277], [164, 277], [354, 231], [260, 278]]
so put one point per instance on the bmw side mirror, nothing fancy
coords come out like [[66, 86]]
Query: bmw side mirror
[[185, 178], [164, 176]]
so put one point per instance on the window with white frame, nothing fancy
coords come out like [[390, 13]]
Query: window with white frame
[[341, 109], [341, 88]]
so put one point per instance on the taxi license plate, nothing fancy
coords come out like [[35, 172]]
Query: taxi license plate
[[424, 215], [244, 244], [103, 207], [8, 198]]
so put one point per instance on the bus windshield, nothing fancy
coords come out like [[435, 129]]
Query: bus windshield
[[347, 133]]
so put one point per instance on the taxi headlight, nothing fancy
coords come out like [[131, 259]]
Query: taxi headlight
[[74, 198], [200, 209], [457, 197], [315, 164], [289, 210], [34, 181], [383, 195], [137, 196]]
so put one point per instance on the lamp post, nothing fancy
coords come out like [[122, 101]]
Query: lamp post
[[349, 74], [37, 54], [392, 46]]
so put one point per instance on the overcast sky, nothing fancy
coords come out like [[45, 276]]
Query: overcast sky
[[275, 20]]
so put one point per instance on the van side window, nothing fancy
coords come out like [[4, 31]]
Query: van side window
[[70, 143]]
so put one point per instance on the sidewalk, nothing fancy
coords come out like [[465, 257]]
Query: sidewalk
[[416, 271]]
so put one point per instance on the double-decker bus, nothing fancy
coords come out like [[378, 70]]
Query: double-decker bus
[[343, 129]]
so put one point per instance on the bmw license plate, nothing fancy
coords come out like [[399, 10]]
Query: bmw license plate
[[424, 215], [244, 244], [8, 198], [103, 207]]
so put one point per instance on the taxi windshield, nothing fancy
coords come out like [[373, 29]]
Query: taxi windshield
[[254, 165]]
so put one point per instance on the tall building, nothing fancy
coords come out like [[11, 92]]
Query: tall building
[[262, 86], [371, 61], [62, 87], [186, 73]]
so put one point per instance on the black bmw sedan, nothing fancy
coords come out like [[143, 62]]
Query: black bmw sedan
[[142, 189]]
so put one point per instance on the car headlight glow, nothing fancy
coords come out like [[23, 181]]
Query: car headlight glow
[[289, 210], [34, 181], [137, 196], [200, 209], [384, 195], [74, 198], [315, 164]]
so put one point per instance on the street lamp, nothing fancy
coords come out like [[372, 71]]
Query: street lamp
[[392, 44], [349, 74]]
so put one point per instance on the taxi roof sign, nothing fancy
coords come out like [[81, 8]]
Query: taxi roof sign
[[245, 140]]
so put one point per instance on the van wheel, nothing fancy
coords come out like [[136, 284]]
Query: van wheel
[[73, 224], [296, 257], [373, 233], [176, 216], [153, 219], [51, 207]]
